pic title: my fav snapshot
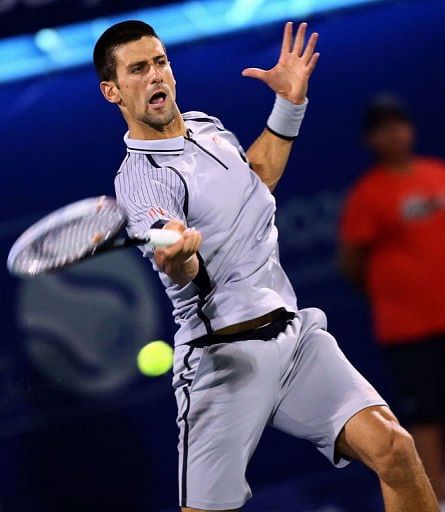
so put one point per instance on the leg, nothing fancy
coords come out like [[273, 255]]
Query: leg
[[428, 439], [416, 372], [224, 403], [375, 437], [326, 400]]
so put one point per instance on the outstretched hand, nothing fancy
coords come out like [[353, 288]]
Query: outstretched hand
[[289, 78]]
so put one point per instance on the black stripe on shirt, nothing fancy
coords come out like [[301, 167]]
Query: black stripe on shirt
[[186, 196], [185, 206], [206, 120], [154, 151], [207, 152], [202, 281], [185, 441], [159, 224], [153, 162]]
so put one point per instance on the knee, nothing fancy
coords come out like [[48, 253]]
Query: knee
[[395, 456]]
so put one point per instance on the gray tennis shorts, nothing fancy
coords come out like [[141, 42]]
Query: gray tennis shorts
[[300, 383]]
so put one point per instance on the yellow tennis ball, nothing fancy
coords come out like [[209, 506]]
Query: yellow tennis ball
[[155, 359]]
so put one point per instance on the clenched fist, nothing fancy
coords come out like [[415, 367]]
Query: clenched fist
[[179, 261]]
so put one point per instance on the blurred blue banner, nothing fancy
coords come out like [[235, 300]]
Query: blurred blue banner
[[22, 16], [63, 47]]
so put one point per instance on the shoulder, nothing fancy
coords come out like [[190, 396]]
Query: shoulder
[[200, 121], [429, 162], [130, 162], [137, 176]]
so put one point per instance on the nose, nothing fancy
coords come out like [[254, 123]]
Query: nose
[[156, 76]]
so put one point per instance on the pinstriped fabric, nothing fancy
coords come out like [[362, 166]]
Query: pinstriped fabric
[[148, 193], [204, 180]]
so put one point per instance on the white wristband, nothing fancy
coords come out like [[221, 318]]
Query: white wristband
[[286, 118]]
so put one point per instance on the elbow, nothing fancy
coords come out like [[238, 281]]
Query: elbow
[[263, 172]]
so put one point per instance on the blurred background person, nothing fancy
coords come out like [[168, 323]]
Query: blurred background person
[[393, 248]]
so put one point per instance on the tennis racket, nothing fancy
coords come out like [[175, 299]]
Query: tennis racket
[[75, 232]]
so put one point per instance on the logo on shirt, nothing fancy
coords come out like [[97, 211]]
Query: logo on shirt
[[156, 211], [217, 140], [418, 207]]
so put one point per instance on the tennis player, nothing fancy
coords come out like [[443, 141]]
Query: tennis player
[[245, 355]]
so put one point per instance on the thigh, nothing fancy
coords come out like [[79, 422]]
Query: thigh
[[321, 393], [225, 395]]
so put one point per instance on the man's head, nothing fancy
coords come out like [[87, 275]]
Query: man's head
[[135, 74], [388, 129]]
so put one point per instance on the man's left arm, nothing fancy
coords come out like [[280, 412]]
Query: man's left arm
[[289, 79]]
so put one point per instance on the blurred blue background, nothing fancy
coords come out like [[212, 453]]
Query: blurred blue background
[[80, 428]]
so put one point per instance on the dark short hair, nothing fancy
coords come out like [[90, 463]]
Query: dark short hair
[[383, 109], [116, 35]]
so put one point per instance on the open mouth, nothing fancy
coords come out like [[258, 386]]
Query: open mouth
[[158, 98]]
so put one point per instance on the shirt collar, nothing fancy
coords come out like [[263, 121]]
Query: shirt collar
[[174, 146]]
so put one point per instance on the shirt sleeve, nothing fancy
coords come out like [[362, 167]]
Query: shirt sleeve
[[150, 198], [359, 224]]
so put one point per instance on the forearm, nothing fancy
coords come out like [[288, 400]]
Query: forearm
[[269, 154], [184, 272]]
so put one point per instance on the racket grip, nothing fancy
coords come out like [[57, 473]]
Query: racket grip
[[163, 237]]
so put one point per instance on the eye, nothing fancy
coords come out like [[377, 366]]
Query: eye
[[136, 69], [161, 62]]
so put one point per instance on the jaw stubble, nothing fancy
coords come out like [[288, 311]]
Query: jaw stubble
[[159, 120]]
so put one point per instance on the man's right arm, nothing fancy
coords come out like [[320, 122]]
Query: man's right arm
[[179, 261], [158, 202]]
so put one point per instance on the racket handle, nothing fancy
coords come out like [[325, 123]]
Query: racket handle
[[162, 237]]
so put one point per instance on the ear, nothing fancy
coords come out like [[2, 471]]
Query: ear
[[110, 91]]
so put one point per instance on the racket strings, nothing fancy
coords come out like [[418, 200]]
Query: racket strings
[[68, 241]]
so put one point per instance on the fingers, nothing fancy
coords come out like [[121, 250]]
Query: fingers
[[310, 48], [183, 249], [299, 39], [286, 45], [298, 48], [192, 242], [259, 74], [176, 225], [313, 63]]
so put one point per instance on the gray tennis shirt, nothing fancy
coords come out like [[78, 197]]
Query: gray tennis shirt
[[204, 180]]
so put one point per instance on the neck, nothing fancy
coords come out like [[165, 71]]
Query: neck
[[400, 163], [141, 131]]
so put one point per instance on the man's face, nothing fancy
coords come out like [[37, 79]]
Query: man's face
[[145, 83], [394, 139]]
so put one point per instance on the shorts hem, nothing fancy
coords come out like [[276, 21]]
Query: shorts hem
[[350, 412], [215, 506]]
